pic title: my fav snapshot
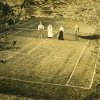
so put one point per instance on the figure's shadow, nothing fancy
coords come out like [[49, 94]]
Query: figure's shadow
[[91, 37]]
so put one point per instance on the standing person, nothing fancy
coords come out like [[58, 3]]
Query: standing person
[[50, 29], [61, 31], [76, 31], [40, 29]]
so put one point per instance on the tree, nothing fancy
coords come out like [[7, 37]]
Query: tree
[[6, 9]]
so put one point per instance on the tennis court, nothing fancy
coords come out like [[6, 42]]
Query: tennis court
[[48, 61]]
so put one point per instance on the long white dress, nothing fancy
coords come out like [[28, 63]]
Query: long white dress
[[50, 29]]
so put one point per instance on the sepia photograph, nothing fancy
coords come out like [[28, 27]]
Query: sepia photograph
[[49, 49]]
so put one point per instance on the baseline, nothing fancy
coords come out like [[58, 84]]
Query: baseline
[[13, 79]]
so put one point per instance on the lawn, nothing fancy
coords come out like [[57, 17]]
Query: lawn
[[40, 65]]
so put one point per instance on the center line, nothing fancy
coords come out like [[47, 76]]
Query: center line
[[37, 46]]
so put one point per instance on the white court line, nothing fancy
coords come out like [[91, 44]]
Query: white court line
[[94, 72], [21, 25], [13, 79], [57, 57], [26, 23], [19, 31], [77, 63], [22, 29], [30, 29], [29, 22], [36, 46], [16, 33], [74, 86], [26, 29], [43, 82]]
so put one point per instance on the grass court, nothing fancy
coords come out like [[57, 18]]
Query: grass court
[[67, 63]]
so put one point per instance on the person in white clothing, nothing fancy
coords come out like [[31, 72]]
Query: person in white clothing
[[61, 28], [40, 29], [50, 29], [76, 31]]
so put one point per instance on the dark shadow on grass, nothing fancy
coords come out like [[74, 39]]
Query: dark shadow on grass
[[91, 37]]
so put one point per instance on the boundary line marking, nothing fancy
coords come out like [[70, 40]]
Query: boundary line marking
[[20, 25], [14, 52], [32, 20], [95, 66], [22, 29], [26, 23], [13, 79], [26, 29], [37, 46], [77, 62], [75, 86], [59, 57], [30, 29], [14, 34], [18, 31]]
